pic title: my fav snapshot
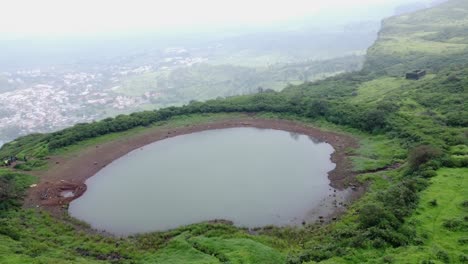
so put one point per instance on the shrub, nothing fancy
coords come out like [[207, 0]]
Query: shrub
[[465, 203], [7, 230], [422, 154], [463, 258], [443, 256], [454, 224], [12, 188], [428, 173], [455, 161], [401, 198], [372, 215], [463, 241], [388, 259]]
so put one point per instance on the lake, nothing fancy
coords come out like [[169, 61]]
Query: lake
[[253, 177]]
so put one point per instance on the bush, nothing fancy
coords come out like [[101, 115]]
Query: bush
[[9, 193], [8, 231], [456, 161], [388, 259], [12, 188], [443, 256], [422, 154], [376, 215], [455, 224], [401, 198], [463, 241], [428, 173], [465, 203], [463, 258]]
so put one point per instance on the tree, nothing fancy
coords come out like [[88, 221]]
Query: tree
[[422, 154], [9, 193], [374, 120]]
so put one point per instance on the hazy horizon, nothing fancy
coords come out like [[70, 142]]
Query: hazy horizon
[[55, 19]]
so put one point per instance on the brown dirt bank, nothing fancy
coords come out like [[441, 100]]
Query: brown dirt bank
[[68, 174]]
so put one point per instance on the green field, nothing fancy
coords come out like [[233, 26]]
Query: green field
[[440, 221]]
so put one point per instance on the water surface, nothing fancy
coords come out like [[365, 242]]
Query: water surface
[[253, 177]]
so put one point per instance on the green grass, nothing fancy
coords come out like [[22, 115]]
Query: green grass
[[449, 189], [408, 45], [423, 39], [201, 249], [180, 251], [434, 243], [377, 152], [240, 250], [375, 90], [30, 236], [22, 180]]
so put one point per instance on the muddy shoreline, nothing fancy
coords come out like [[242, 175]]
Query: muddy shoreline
[[68, 173]]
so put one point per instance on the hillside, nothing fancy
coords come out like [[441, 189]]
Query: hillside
[[412, 160], [431, 38]]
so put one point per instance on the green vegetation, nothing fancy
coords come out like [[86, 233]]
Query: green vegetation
[[432, 38], [12, 188], [174, 122], [206, 81], [413, 159], [439, 221]]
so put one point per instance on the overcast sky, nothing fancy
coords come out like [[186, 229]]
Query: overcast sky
[[58, 17]]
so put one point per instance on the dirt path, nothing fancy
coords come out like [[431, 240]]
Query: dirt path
[[68, 174]]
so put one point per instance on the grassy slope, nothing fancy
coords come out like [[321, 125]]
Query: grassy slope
[[439, 243], [35, 237], [425, 39], [435, 243]]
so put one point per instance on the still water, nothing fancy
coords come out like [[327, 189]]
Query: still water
[[253, 177]]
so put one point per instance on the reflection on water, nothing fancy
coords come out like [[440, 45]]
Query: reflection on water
[[315, 140], [253, 177], [294, 135]]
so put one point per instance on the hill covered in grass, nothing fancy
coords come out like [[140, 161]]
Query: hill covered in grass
[[413, 159], [428, 39]]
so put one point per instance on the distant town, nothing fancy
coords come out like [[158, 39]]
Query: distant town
[[47, 99]]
